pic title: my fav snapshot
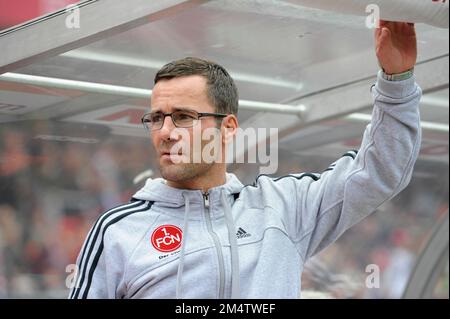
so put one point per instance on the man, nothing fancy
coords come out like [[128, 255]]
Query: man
[[199, 233]]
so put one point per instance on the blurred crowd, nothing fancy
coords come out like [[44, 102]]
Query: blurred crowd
[[50, 194], [52, 190]]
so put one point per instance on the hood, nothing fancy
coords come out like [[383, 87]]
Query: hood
[[158, 191]]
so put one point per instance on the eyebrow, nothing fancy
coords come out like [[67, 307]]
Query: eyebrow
[[181, 108]]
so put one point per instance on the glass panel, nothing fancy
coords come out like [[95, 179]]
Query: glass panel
[[374, 259], [56, 178]]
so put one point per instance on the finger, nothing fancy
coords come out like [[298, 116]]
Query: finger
[[378, 33], [384, 39], [404, 28], [382, 24], [386, 35], [397, 27], [411, 29], [388, 24]]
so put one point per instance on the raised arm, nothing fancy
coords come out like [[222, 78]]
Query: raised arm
[[358, 183]]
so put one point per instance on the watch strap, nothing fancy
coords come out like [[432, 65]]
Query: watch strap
[[399, 76]]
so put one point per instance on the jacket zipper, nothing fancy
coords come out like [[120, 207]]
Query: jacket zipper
[[216, 244]]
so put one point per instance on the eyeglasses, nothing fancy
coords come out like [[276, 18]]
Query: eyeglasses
[[181, 118]]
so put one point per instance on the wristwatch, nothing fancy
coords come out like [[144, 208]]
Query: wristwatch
[[399, 76]]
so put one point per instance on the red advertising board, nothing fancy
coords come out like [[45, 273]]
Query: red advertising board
[[13, 12]]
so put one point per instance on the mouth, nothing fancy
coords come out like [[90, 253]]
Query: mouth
[[168, 156], [163, 153]]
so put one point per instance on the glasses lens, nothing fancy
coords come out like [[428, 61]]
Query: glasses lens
[[153, 121], [184, 118]]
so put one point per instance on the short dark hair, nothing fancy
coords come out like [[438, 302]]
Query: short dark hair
[[221, 89]]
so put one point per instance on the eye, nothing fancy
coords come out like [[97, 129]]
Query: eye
[[184, 116], [155, 117]]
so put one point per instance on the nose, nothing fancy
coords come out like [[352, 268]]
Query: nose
[[166, 128]]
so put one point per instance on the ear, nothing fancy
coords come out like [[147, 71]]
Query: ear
[[229, 128]]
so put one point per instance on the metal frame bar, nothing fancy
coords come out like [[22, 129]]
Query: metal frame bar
[[49, 35], [366, 118], [435, 102], [132, 92], [153, 64]]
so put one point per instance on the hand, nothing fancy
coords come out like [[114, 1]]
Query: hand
[[396, 46]]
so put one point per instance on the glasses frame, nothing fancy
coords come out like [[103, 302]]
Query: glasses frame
[[199, 115]]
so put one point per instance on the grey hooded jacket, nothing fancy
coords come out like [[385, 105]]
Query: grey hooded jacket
[[250, 241]]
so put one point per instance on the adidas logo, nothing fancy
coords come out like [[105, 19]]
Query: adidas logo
[[242, 233]]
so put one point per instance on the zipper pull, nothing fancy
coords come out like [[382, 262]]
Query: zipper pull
[[206, 199]]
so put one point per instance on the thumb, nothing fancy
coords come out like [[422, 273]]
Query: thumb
[[385, 36], [383, 42]]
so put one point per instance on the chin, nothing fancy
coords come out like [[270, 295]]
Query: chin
[[183, 172], [172, 172]]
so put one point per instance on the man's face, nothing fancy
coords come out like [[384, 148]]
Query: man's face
[[188, 92]]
